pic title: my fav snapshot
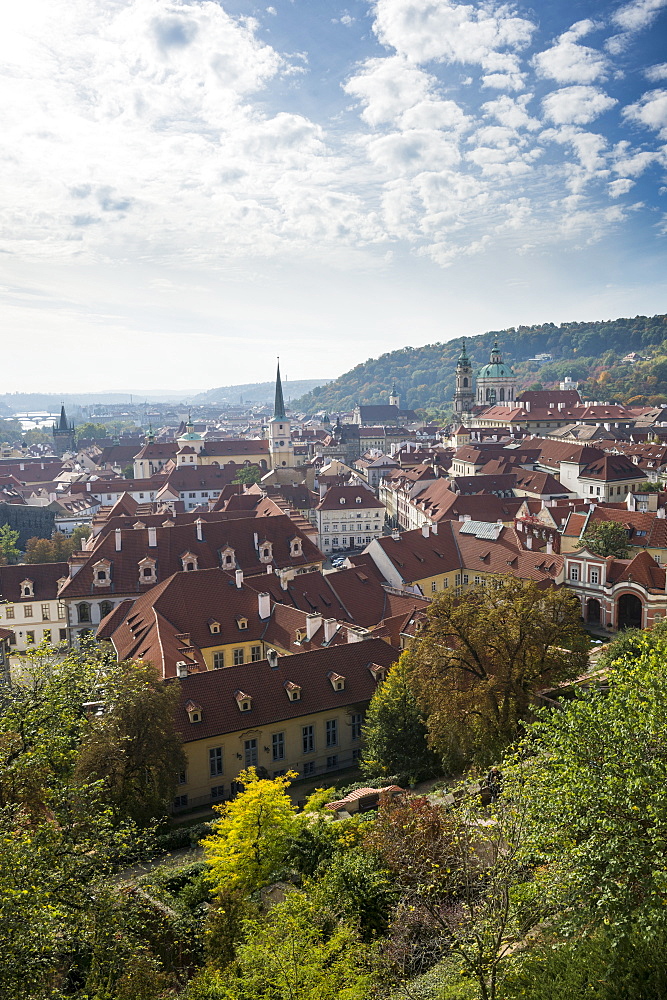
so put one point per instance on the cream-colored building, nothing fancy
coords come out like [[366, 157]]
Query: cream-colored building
[[29, 603]]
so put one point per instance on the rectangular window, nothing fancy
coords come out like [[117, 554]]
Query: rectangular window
[[434, 586], [445, 582], [478, 580], [62, 610], [332, 732], [308, 737], [47, 634], [239, 657], [218, 659], [332, 761], [595, 576], [27, 610], [465, 577], [255, 653], [278, 740], [180, 802], [343, 541], [357, 722], [9, 611], [250, 752], [182, 777], [46, 612], [309, 767], [215, 761], [30, 638], [334, 541], [574, 573], [217, 792], [63, 634]]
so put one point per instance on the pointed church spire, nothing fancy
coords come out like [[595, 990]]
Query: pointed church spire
[[63, 425], [279, 406]]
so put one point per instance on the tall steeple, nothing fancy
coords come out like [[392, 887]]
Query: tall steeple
[[464, 393], [279, 405]]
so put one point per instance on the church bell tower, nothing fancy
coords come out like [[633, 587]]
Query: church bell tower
[[464, 394], [280, 432]]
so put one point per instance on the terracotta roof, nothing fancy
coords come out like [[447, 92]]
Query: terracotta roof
[[349, 497], [215, 690], [641, 569], [243, 535], [44, 578], [611, 468]]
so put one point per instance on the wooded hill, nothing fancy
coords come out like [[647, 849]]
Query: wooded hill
[[591, 353]]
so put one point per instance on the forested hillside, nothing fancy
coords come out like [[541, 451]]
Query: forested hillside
[[590, 352]]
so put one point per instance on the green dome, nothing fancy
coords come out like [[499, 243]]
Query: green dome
[[497, 369]]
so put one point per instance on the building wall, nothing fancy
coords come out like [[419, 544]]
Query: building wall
[[202, 787], [340, 530], [33, 620]]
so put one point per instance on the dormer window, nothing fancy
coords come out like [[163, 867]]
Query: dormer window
[[242, 623], [189, 562], [300, 635], [337, 681], [214, 627], [243, 700], [379, 673], [342, 500], [194, 711], [265, 552], [102, 573], [147, 571], [27, 588], [293, 691], [228, 558], [295, 547], [358, 499]]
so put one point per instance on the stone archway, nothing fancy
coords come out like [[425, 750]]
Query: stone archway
[[629, 613], [593, 611]]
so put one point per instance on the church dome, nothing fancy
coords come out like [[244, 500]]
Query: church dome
[[497, 369]]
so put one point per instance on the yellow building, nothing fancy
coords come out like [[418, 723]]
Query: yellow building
[[302, 713]]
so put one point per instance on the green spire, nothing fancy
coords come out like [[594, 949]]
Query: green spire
[[279, 406], [463, 356]]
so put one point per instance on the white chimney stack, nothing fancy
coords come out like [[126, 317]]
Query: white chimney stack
[[264, 606], [181, 669], [550, 547], [200, 533], [330, 626], [152, 537], [239, 578], [529, 542], [119, 543], [425, 529], [434, 528], [313, 623]]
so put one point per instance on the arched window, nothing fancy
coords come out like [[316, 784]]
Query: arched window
[[502, 396], [83, 611], [465, 383], [106, 607]]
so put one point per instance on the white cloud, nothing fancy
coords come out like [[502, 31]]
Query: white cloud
[[569, 62], [387, 87], [442, 31], [512, 112], [620, 187], [632, 18], [656, 73], [576, 105], [650, 110]]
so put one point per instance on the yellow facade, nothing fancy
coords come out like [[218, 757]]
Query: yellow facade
[[215, 762]]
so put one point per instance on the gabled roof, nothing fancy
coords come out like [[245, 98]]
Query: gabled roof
[[44, 578]]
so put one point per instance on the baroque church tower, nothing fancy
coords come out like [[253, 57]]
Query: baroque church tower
[[496, 382], [281, 447], [464, 394]]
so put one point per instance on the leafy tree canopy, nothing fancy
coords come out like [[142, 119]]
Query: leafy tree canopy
[[9, 550], [606, 538]]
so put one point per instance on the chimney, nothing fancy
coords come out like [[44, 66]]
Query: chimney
[[264, 605], [256, 540], [200, 533], [550, 547], [313, 623], [88, 487], [396, 535], [152, 537], [561, 407], [239, 578], [323, 489], [529, 541], [119, 543], [269, 568], [330, 626], [283, 581], [181, 669], [425, 529], [434, 528], [660, 513], [526, 407], [272, 657]]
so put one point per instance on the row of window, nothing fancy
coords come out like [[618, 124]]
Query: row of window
[[84, 610], [47, 634], [593, 574], [361, 540], [344, 527], [277, 747], [28, 611], [238, 656]]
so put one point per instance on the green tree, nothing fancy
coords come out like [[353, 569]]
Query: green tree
[[248, 475], [593, 779], [300, 952], [606, 538], [9, 550], [251, 838], [481, 658], [395, 731], [132, 748]]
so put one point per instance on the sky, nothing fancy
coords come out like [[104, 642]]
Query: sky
[[189, 188]]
